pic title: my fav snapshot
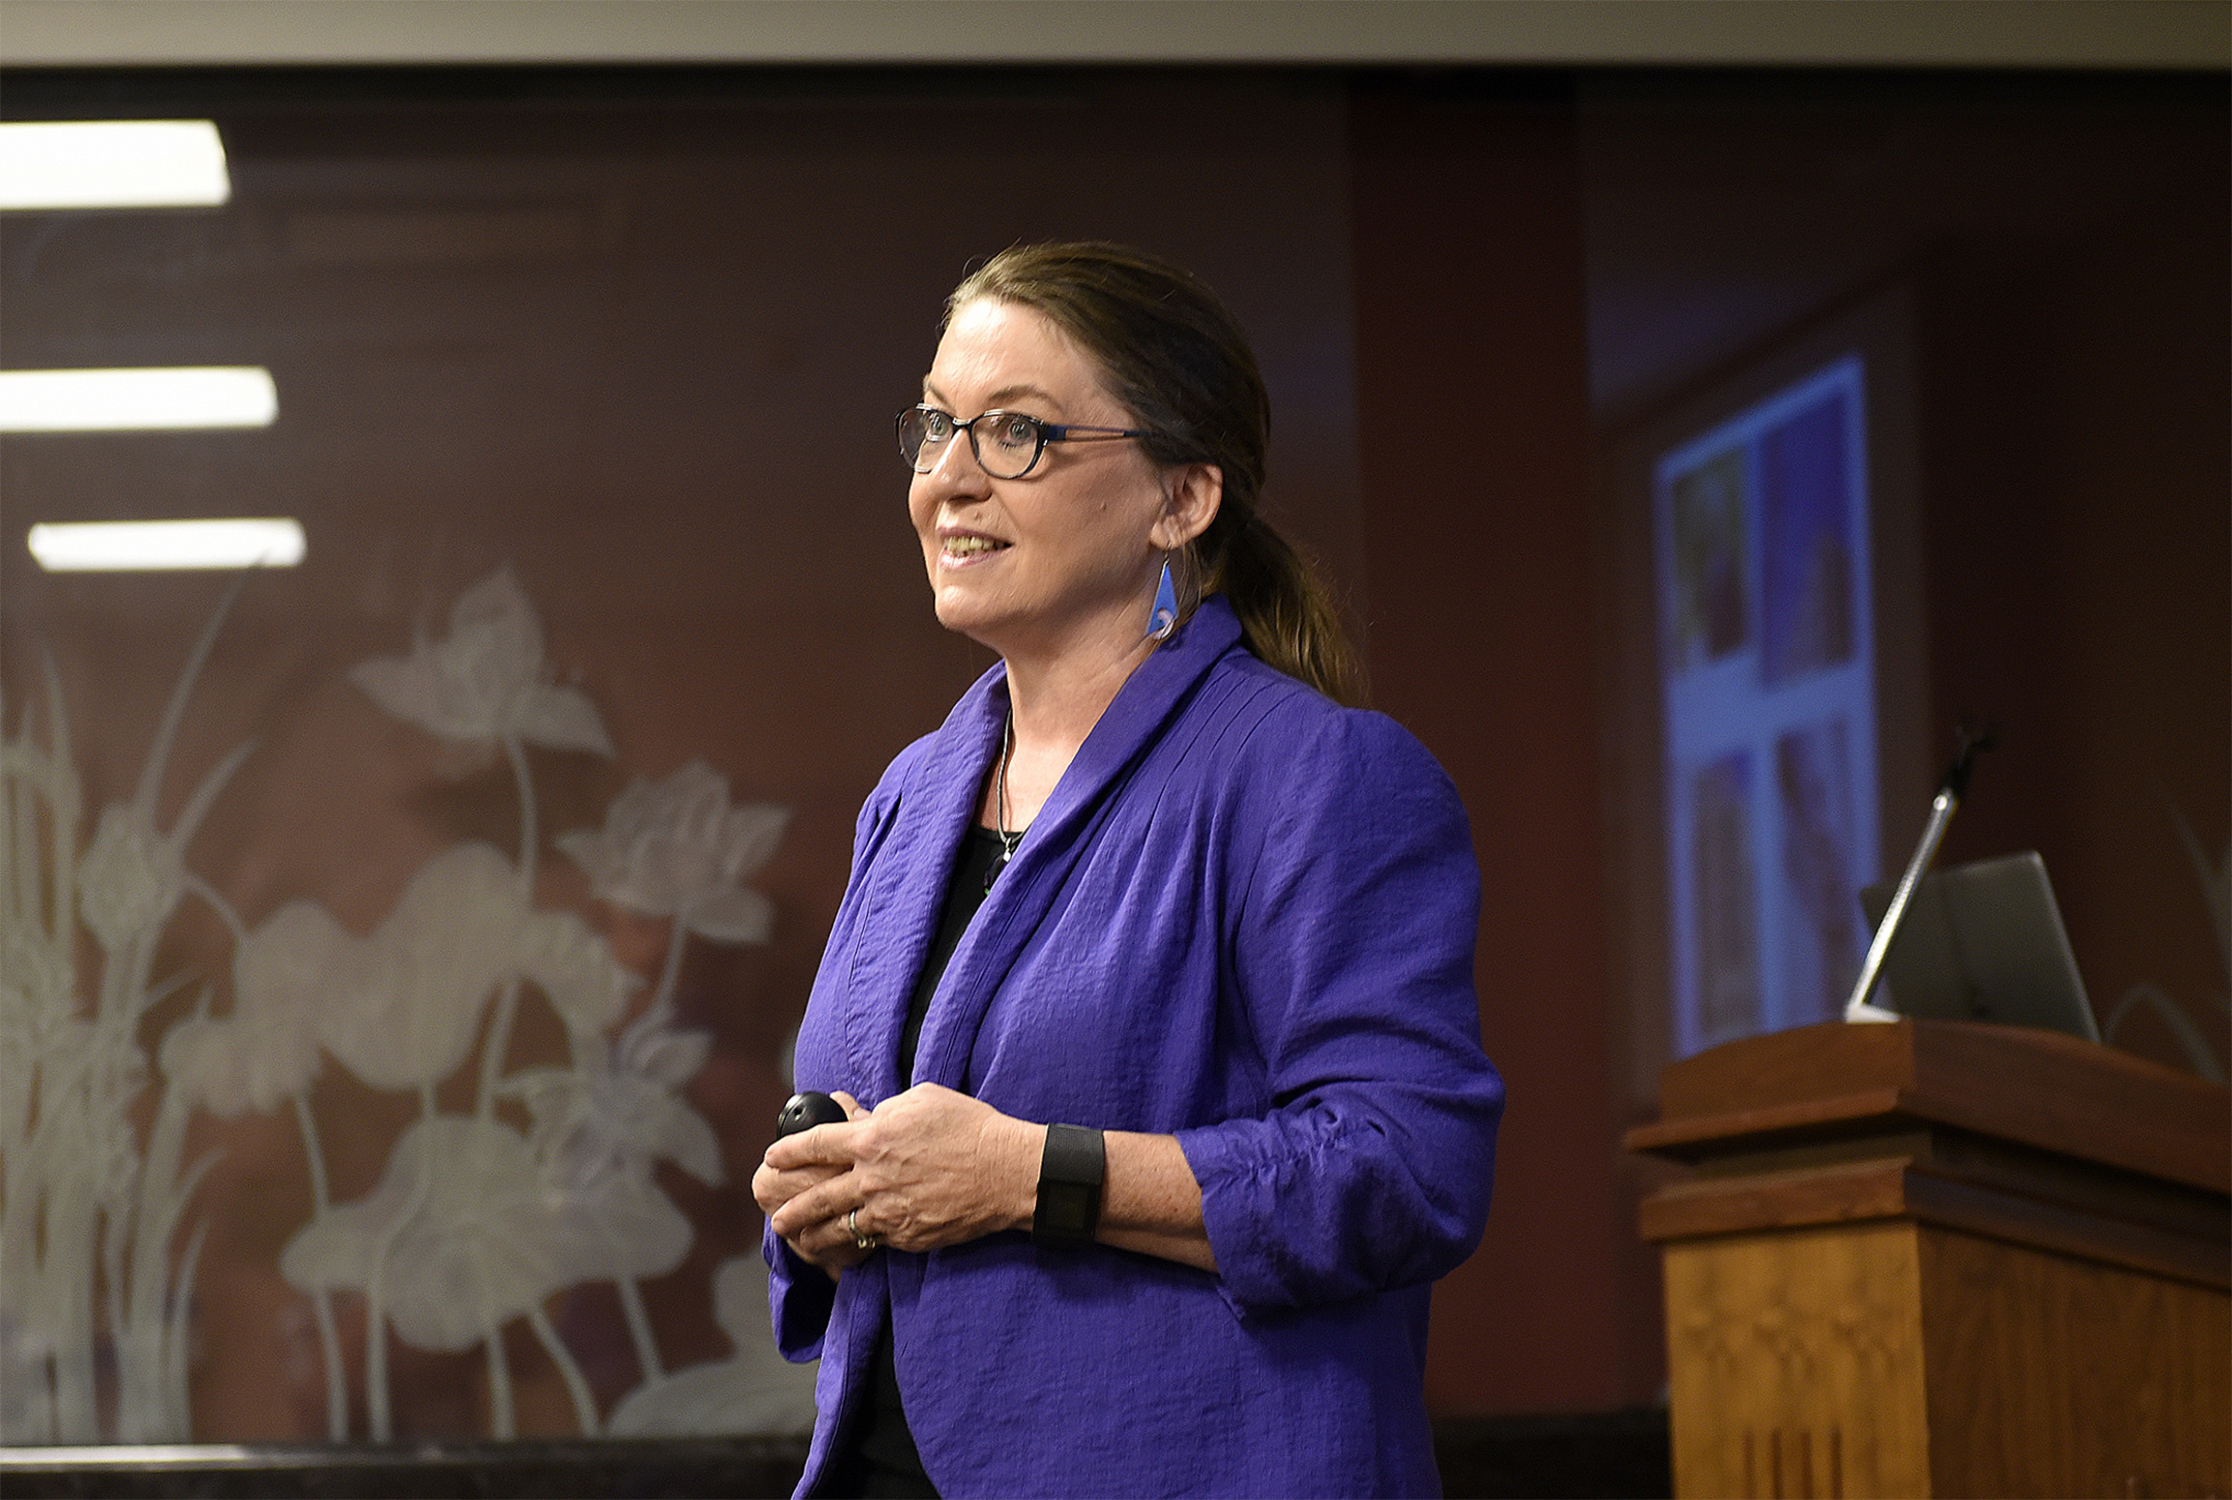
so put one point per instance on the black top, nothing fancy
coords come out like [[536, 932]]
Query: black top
[[974, 870], [876, 1454]]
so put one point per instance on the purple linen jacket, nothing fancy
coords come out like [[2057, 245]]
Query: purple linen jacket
[[1246, 917]]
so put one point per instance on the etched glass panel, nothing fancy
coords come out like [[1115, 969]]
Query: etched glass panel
[[399, 949]]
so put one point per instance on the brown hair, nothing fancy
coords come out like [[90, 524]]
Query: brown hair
[[1179, 362]]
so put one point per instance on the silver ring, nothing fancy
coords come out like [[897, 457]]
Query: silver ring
[[860, 1241]]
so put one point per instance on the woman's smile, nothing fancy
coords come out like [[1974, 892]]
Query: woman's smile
[[958, 548]]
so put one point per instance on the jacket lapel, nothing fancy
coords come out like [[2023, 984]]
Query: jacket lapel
[[892, 930], [1057, 840]]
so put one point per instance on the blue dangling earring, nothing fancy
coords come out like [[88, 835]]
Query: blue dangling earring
[[1163, 618]]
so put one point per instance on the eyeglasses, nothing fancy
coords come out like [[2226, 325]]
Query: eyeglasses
[[1006, 443]]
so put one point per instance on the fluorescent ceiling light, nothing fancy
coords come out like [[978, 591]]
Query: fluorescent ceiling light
[[153, 546], [112, 164], [137, 400]]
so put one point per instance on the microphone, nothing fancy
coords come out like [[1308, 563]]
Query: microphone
[[1949, 794]]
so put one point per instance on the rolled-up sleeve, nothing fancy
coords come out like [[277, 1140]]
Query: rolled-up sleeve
[[1352, 957]]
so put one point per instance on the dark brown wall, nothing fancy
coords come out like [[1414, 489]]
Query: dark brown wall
[[2077, 527], [1472, 443]]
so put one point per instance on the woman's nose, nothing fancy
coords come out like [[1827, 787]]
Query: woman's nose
[[951, 480], [956, 464]]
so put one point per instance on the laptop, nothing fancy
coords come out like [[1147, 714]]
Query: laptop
[[1983, 942]]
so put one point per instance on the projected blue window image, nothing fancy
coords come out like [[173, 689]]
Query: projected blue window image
[[1761, 532]]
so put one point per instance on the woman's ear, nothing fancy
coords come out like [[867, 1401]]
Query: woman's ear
[[1189, 504]]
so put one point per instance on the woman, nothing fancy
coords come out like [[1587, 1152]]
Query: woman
[[1150, 998]]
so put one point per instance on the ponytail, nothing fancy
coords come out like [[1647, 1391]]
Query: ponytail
[[1287, 617]]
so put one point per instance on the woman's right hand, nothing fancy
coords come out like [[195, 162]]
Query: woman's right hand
[[772, 1187]]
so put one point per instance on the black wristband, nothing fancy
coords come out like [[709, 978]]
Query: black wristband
[[1069, 1191]]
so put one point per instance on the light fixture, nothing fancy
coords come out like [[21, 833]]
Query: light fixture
[[138, 400], [158, 546], [112, 164]]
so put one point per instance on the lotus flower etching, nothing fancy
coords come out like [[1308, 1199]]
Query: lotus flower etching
[[486, 680], [676, 848], [754, 1390], [482, 1216], [131, 878]]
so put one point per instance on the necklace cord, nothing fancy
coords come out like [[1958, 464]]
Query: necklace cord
[[1008, 840]]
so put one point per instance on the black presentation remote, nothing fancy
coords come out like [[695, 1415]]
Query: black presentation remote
[[805, 1111]]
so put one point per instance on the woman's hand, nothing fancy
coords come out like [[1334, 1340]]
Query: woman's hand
[[926, 1168], [774, 1186]]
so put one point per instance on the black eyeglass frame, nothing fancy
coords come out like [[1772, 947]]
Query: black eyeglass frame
[[1046, 432]]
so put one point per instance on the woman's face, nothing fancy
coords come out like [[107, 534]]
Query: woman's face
[[1066, 557]]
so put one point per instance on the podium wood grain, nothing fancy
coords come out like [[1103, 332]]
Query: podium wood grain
[[2069, 1377], [1901, 1272], [1795, 1364]]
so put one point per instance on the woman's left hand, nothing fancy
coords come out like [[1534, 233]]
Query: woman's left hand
[[926, 1168]]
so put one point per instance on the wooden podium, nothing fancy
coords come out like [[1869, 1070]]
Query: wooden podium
[[1939, 1258]]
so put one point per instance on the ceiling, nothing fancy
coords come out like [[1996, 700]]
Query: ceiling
[[1941, 33]]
